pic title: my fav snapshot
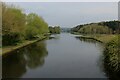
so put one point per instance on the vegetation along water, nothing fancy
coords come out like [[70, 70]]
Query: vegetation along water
[[33, 49]]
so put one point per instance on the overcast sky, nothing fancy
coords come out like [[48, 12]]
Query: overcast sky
[[67, 14]]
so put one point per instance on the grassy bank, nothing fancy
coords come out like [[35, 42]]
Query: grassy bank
[[112, 56], [7, 49], [104, 38], [111, 51]]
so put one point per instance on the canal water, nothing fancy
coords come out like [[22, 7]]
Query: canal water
[[64, 56]]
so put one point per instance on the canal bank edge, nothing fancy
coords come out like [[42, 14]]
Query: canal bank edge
[[87, 37], [9, 49], [103, 39]]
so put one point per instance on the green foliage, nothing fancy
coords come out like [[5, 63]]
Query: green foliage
[[17, 26], [13, 24], [100, 28], [114, 25], [35, 26], [12, 18], [30, 32], [11, 39], [75, 29], [55, 30], [112, 56], [94, 29]]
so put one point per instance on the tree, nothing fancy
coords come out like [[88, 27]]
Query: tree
[[13, 24], [17, 26], [97, 28], [37, 24], [55, 29]]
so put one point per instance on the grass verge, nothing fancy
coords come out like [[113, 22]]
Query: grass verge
[[6, 49]]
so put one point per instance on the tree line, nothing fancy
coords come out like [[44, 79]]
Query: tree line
[[18, 26], [54, 30], [114, 25], [109, 27]]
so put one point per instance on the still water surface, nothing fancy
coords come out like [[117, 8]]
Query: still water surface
[[64, 56]]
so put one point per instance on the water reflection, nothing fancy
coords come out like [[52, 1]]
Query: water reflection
[[104, 62], [16, 64], [54, 36], [13, 66], [86, 40], [97, 43]]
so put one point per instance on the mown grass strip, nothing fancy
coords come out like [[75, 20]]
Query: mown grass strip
[[8, 49]]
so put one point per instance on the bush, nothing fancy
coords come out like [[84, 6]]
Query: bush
[[30, 32], [11, 39], [112, 55]]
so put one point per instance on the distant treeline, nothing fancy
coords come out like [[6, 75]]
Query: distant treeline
[[65, 29], [18, 26], [109, 27], [54, 30]]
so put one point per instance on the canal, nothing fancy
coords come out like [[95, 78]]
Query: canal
[[64, 56]]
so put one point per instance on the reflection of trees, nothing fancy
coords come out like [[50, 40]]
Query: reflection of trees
[[86, 40], [105, 62], [32, 56], [35, 54], [13, 65]]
